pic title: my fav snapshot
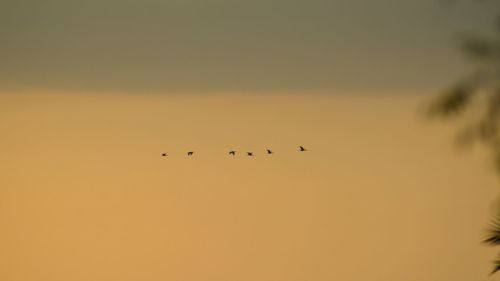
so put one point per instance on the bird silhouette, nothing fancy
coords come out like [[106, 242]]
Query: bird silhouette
[[302, 148], [190, 153], [164, 154], [232, 152], [269, 151], [250, 153]]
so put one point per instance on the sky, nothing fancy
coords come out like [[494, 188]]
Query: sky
[[236, 46], [381, 194], [93, 92]]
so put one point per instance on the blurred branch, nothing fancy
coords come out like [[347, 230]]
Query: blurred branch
[[478, 48], [454, 102]]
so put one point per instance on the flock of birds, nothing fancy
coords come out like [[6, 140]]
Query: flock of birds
[[233, 152]]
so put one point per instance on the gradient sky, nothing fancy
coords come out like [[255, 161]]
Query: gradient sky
[[234, 46], [92, 92]]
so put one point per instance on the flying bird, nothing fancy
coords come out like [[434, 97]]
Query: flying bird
[[269, 151], [250, 153], [164, 154], [302, 148], [232, 152], [190, 153]]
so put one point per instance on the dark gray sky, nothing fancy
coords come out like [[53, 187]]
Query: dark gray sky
[[236, 46]]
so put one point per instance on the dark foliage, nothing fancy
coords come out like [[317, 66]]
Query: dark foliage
[[483, 82]]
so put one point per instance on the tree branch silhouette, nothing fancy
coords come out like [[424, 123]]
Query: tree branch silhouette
[[480, 89]]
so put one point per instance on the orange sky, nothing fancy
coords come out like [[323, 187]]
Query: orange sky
[[381, 195]]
